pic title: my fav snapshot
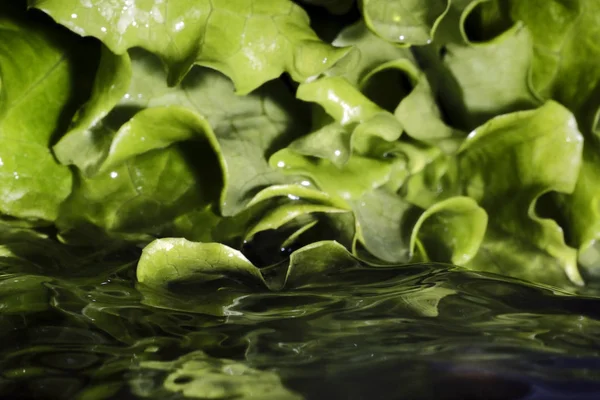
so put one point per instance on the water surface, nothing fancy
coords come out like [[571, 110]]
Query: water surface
[[412, 332]]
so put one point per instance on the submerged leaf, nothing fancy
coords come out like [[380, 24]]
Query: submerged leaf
[[22, 294], [197, 375]]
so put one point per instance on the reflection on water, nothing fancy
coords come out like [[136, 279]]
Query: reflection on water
[[416, 332]]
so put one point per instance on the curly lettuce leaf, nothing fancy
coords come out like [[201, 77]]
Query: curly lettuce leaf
[[369, 51], [182, 267], [396, 231], [385, 221], [145, 114], [450, 231], [357, 121], [41, 82], [165, 262], [279, 216], [388, 225], [250, 41], [581, 210], [566, 69], [411, 22], [358, 176], [493, 77], [565, 66], [508, 163], [390, 77], [563, 55], [143, 197]]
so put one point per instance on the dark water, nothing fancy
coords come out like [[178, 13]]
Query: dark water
[[416, 332]]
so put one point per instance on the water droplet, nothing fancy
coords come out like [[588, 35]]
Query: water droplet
[[114, 174], [280, 164], [292, 197], [337, 153], [401, 37], [305, 183], [1, 162], [103, 29], [179, 26], [74, 16]]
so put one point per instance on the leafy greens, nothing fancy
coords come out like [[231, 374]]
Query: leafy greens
[[461, 131]]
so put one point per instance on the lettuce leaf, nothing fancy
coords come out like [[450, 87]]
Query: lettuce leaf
[[249, 41], [35, 103], [459, 131], [409, 22], [128, 143]]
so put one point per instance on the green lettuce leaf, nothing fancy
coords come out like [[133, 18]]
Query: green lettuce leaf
[[281, 215], [122, 121], [582, 212], [188, 132], [178, 274], [508, 163], [493, 77], [142, 198], [358, 176], [368, 52], [410, 22], [249, 41], [165, 262], [396, 231], [385, 224], [450, 231], [41, 82], [390, 77], [565, 66]]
